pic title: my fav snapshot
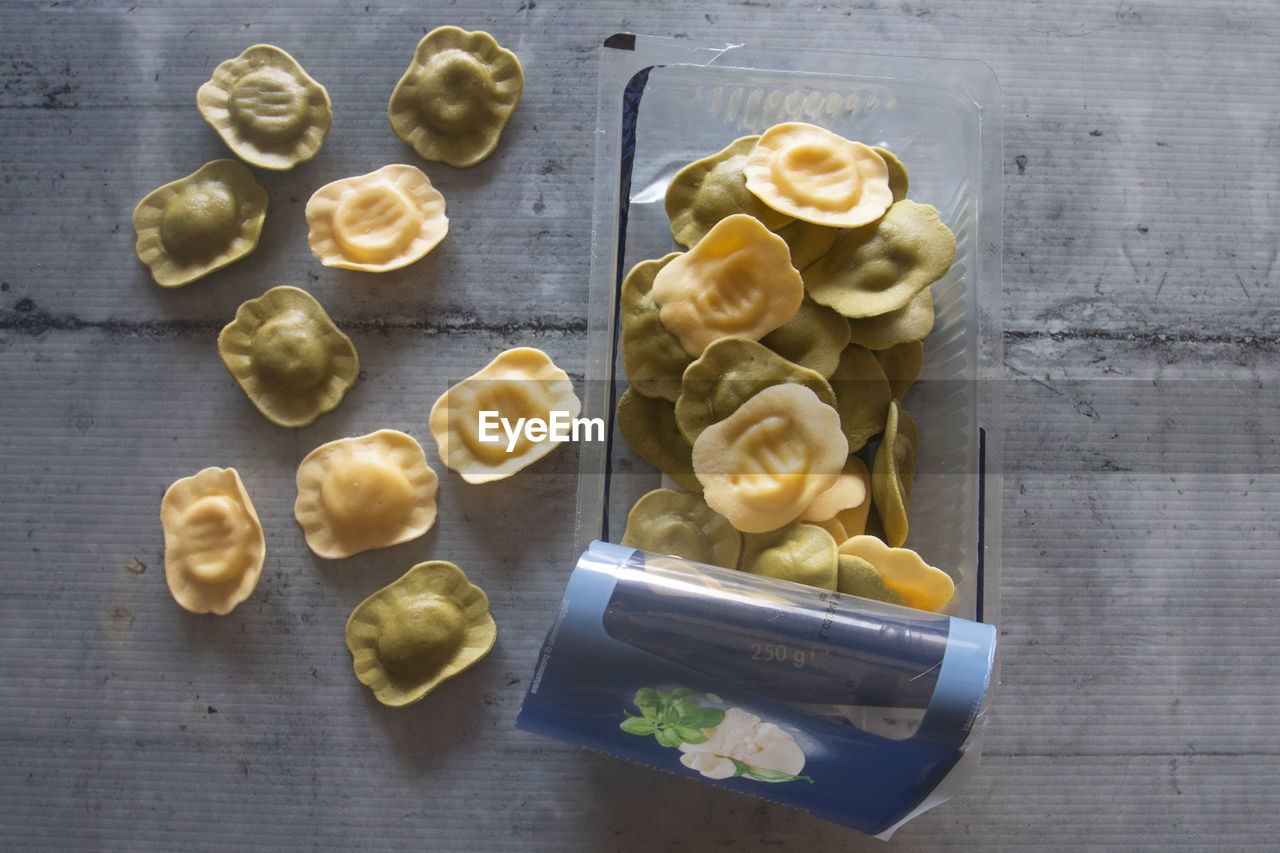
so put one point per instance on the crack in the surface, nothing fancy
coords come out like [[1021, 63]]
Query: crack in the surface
[[23, 319], [1152, 337]]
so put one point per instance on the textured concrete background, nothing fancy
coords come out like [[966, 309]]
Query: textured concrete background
[[1141, 475]]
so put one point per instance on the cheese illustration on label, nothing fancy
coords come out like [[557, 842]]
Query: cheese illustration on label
[[745, 745], [719, 744]]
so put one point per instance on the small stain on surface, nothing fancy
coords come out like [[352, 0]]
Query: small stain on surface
[[1021, 162], [1142, 229], [137, 567], [1095, 133]]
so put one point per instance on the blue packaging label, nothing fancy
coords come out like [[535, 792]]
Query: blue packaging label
[[755, 684]]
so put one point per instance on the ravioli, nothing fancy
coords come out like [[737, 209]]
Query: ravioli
[[377, 222], [418, 631], [680, 524], [853, 520], [195, 225], [653, 358], [856, 576], [892, 472], [520, 385], [456, 96], [901, 364], [818, 176], [728, 373], [905, 572], [213, 542], [737, 280], [850, 490], [882, 266], [288, 357], [911, 322], [364, 492], [797, 552], [807, 241], [648, 425], [814, 337], [761, 466], [708, 190], [266, 108], [862, 394], [899, 180]]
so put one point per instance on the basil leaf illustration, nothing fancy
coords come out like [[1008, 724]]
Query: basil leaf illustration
[[668, 737], [703, 718], [638, 726], [647, 697], [681, 692], [685, 707], [690, 734]]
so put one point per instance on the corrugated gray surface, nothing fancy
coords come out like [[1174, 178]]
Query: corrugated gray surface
[[1141, 478]]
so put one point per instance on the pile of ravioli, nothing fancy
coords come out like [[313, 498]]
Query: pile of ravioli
[[294, 364], [451, 105], [768, 360]]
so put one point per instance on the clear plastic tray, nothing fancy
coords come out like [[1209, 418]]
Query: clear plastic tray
[[664, 103]]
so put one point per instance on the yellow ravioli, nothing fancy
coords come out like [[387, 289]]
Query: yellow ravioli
[[381, 221], [853, 520], [266, 108], [456, 96], [850, 490], [761, 466], [920, 585], [518, 386], [416, 632], [190, 227], [288, 356], [818, 176], [736, 281], [365, 492], [213, 542]]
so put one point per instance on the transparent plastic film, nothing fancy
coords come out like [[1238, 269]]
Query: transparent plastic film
[[819, 651]]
